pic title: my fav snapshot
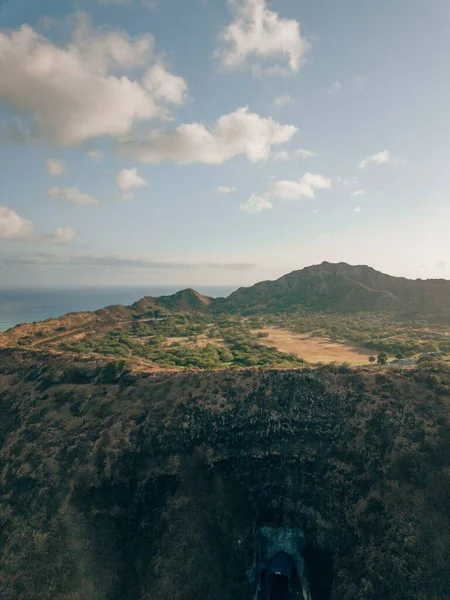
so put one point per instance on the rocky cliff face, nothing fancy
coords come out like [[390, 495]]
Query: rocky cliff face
[[151, 486]]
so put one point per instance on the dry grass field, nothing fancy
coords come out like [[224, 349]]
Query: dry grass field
[[313, 349]]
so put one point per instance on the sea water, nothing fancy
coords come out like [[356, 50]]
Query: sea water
[[27, 306]]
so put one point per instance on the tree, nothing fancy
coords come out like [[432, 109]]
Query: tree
[[113, 370], [372, 359], [382, 358], [399, 355]]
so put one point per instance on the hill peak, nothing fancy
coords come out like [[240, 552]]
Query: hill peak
[[188, 299]]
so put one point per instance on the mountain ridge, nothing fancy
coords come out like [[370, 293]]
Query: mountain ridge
[[341, 287]]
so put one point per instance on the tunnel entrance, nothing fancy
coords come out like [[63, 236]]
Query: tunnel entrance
[[319, 571]]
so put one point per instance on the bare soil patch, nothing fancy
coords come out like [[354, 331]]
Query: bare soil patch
[[312, 348]]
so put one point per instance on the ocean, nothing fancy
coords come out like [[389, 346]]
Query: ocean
[[27, 306]]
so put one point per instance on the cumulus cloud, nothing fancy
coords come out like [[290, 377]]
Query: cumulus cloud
[[381, 158], [75, 93], [96, 155], [357, 209], [305, 153], [130, 178], [165, 86], [55, 167], [256, 204], [72, 194], [283, 100], [240, 132], [226, 189], [281, 156], [305, 187], [15, 227], [358, 192], [259, 33]]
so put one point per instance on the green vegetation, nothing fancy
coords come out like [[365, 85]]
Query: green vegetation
[[211, 341], [188, 341], [152, 485]]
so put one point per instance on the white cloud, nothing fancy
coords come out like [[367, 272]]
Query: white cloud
[[334, 88], [75, 93], [72, 194], [63, 235], [358, 193], [357, 209], [347, 181], [281, 156], [14, 227], [165, 86], [283, 100], [305, 153], [259, 33], [305, 187], [226, 189], [256, 204], [129, 178], [96, 155], [315, 211], [56, 167], [240, 132], [380, 158]]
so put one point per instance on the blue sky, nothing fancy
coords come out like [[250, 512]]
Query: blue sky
[[221, 142]]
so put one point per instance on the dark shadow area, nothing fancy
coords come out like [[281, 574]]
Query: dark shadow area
[[319, 571]]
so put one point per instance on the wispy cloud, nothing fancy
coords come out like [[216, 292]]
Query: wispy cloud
[[334, 88], [256, 204], [380, 158], [303, 153], [72, 194], [358, 192], [96, 155], [124, 261], [226, 189], [282, 156], [283, 100], [305, 187], [347, 181], [56, 168]]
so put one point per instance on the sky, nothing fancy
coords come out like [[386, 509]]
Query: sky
[[221, 142]]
